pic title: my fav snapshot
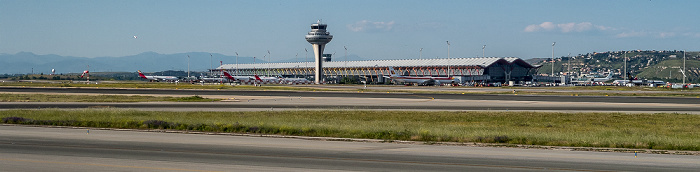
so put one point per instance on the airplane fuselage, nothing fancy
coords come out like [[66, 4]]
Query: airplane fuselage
[[422, 80]]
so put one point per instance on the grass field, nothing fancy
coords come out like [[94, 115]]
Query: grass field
[[614, 130], [95, 98], [159, 85], [581, 91]]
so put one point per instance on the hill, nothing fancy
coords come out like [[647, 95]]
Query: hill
[[656, 65]]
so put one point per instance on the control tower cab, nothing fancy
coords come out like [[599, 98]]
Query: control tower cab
[[318, 34], [318, 38]]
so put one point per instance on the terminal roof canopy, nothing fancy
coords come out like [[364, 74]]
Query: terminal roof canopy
[[472, 62]]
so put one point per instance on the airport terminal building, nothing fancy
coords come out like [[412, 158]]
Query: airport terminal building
[[488, 69]]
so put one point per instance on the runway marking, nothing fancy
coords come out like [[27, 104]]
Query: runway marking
[[101, 165]]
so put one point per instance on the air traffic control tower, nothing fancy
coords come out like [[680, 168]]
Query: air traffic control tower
[[318, 37]]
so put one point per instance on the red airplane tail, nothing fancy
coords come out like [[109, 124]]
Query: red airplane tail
[[229, 76], [257, 78], [141, 75]]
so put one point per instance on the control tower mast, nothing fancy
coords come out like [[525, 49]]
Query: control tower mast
[[318, 38]]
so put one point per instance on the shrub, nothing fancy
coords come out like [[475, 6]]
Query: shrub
[[157, 124], [15, 120]]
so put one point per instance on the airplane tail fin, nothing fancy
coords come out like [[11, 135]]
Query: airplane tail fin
[[393, 72], [229, 76], [142, 75], [257, 78]]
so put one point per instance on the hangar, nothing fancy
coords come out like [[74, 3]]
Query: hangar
[[485, 69]]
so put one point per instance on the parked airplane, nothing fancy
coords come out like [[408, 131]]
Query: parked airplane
[[284, 80], [589, 79], [266, 78], [157, 78], [607, 78], [237, 78], [429, 80]]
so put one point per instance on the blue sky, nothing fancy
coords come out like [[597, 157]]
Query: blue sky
[[369, 29]]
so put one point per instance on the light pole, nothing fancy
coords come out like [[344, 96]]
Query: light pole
[[211, 65], [625, 67], [568, 67], [346, 61], [683, 68], [188, 66], [306, 60], [263, 65], [553, 58], [448, 49], [420, 52], [268, 62], [483, 51], [236, 63], [448, 59]]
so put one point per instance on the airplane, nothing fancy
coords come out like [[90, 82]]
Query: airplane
[[607, 78], [594, 79], [157, 78], [225, 78], [206, 79], [428, 80], [266, 78], [237, 78], [293, 80]]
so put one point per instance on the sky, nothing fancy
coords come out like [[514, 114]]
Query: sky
[[370, 29]]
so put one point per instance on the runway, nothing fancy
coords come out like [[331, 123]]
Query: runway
[[290, 100], [64, 149]]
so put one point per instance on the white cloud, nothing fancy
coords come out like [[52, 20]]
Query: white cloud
[[532, 28], [603, 28], [617, 32], [564, 27], [629, 34], [547, 25], [690, 34], [576, 27], [370, 26], [666, 34]]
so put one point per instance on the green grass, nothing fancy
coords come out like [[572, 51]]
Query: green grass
[[95, 98], [582, 91], [159, 85], [614, 130]]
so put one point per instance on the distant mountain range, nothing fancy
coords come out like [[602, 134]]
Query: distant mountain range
[[23, 62], [26, 62]]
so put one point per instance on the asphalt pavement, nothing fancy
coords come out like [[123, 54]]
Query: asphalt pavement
[[25, 148]]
